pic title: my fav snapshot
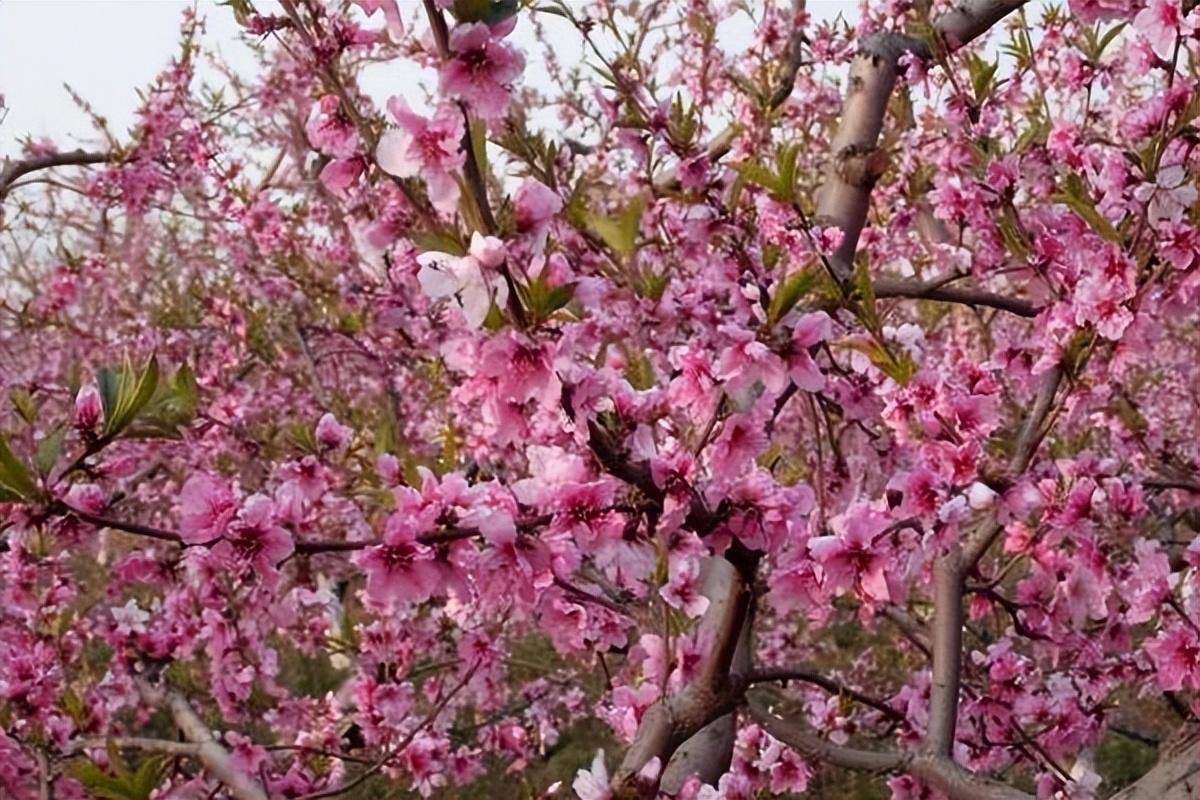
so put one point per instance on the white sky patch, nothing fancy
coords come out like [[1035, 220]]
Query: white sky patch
[[107, 49]]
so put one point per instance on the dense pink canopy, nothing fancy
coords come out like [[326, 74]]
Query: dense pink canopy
[[755, 414]]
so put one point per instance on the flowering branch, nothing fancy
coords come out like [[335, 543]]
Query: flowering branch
[[939, 772], [209, 752], [445, 535], [399, 747], [16, 169], [898, 287], [857, 163], [714, 692], [785, 674]]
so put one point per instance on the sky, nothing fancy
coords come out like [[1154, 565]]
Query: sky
[[105, 49]]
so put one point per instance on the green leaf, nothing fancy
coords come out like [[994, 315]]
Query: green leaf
[[133, 391], [983, 74], [620, 232], [789, 293], [865, 290], [780, 183], [638, 370], [14, 477], [651, 285], [1075, 196], [683, 124], [470, 10], [304, 437], [107, 381], [785, 164], [173, 406], [48, 451], [1109, 36], [1006, 221], [899, 368], [489, 11], [542, 300], [555, 10], [25, 405], [759, 175], [125, 784], [479, 144], [149, 775], [98, 783], [442, 241]]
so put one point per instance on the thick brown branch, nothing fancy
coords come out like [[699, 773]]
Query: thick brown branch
[[949, 571], [947, 652], [1027, 443], [896, 287], [709, 752], [713, 693], [958, 784], [1176, 775], [209, 752], [772, 674], [813, 746], [939, 772], [845, 195], [16, 169]]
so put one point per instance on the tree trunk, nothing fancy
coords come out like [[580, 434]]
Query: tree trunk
[[1176, 776]]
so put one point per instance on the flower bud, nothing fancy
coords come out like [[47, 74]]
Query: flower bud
[[87, 408]]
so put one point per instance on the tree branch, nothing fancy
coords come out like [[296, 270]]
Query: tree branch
[[139, 743], [813, 746], [1027, 443], [939, 772], [713, 693], [709, 751], [209, 752], [772, 674], [897, 287], [947, 652], [443, 536], [14, 170], [844, 198]]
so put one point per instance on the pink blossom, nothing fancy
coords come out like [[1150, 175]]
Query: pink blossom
[[592, 784], [428, 148], [87, 408], [330, 131], [331, 434], [481, 70], [206, 506], [854, 556], [1161, 21], [1095, 10], [391, 13], [1175, 653], [401, 569], [748, 361], [683, 589], [809, 331], [535, 204], [256, 538], [342, 173], [464, 279], [130, 619], [741, 441]]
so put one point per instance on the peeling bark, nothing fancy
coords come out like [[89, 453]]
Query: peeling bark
[[674, 720], [845, 195], [1176, 776]]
